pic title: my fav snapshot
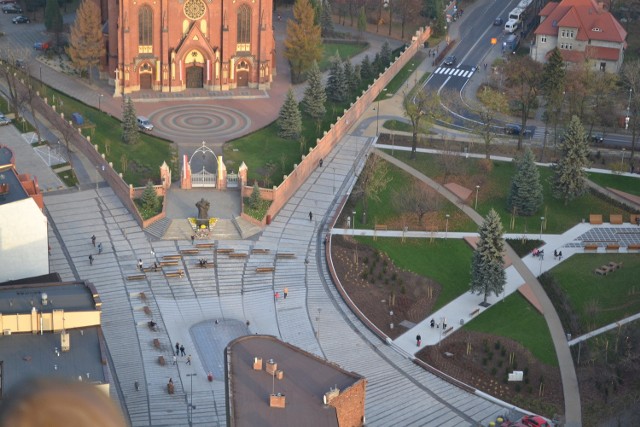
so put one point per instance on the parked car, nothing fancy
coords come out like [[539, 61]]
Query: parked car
[[3, 2], [3, 120], [21, 19], [144, 124], [534, 421], [498, 22], [450, 61], [597, 138], [42, 45], [514, 129], [11, 8]]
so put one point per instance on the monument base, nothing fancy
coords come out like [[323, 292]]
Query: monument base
[[202, 223]]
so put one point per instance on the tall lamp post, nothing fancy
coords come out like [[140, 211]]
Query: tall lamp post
[[622, 159], [100, 102], [378, 112], [190, 407], [626, 119], [541, 225], [446, 226], [475, 206]]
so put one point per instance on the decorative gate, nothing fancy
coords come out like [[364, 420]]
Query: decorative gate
[[204, 178], [232, 180]]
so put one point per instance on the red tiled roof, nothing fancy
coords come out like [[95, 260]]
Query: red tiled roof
[[572, 55], [606, 53], [585, 15]]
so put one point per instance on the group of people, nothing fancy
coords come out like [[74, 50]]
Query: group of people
[[202, 262], [557, 255], [538, 253], [93, 242]]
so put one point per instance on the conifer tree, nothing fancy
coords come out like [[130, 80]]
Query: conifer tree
[[377, 66], [569, 180], [336, 83], [326, 20], [290, 119], [53, 18], [385, 55], [366, 69], [349, 78], [525, 195], [303, 44], [130, 133], [314, 95], [255, 198], [487, 265], [150, 200], [357, 79], [86, 45], [553, 90]]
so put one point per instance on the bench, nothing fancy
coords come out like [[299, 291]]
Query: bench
[[449, 329], [590, 247], [205, 245], [285, 255], [615, 265], [474, 312], [613, 247], [237, 255], [260, 251], [137, 277], [603, 271], [149, 269], [633, 247], [146, 310], [178, 273], [171, 257], [189, 251], [264, 269], [595, 219], [168, 263], [224, 250], [161, 361], [156, 343], [382, 227], [615, 219]]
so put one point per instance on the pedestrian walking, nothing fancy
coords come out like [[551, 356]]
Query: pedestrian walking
[[99, 248], [321, 161], [485, 65], [182, 352], [93, 240], [276, 296], [310, 216], [90, 259], [175, 359], [140, 264], [444, 323], [560, 256], [418, 340], [285, 292], [189, 360], [193, 238], [177, 349], [432, 323]]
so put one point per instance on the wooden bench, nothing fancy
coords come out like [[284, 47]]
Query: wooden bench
[[142, 296], [189, 251], [615, 265], [595, 219], [633, 247], [168, 263], [237, 255], [173, 274], [264, 269], [603, 270], [474, 312], [205, 245], [615, 219], [150, 269], [449, 329], [590, 247], [285, 255], [161, 361], [613, 247], [382, 227], [171, 257], [146, 310], [260, 251], [224, 250], [137, 277], [156, 343]]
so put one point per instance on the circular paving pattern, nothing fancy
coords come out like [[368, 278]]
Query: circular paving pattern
[[208, 123]]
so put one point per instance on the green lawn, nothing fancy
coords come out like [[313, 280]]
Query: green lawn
[[398, 82], [397, 125], [346, 50], [448, 262], [619, 182], [142, 161], [600, 300], [494, 188], [515, 318]]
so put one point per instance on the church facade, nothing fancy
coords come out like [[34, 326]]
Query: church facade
[[174, 45]]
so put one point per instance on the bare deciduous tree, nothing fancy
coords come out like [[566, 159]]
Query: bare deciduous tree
[[372, 180], [524, 83], [418, 198]]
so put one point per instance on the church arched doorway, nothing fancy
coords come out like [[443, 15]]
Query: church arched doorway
[[242, 74], [146, 76], [195, 77]]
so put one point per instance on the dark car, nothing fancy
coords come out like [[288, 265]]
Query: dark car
[[11, 8], [498, 22], [597, 138], [513, 129], [21, 19], [450, 61]]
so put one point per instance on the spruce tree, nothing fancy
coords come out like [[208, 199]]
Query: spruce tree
[[290, 119], [377, 66], [357, 79], [525, 196], [86, 44], [569, 180], [385, 55], [366, 69], [130, 133], [326, 20], [314, 95], [150, 200], [53, 18], [303, 44], [487, 265], [255, 198], [336, 83], [349, 78]]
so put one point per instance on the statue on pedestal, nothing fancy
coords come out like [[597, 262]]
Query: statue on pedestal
[[203, 213]]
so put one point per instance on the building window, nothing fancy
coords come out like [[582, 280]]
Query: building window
[[543, 39], [244, 29], [567, 46], [145, 30]]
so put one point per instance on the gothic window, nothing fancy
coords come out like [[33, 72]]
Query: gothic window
[[145, 29], [244, 29]]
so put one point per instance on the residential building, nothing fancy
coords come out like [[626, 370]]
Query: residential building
[[584, 32]]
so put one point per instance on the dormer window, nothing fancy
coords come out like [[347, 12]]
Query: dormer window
[[596, 30]]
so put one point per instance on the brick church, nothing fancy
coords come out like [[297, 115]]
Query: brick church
[[174, 45]]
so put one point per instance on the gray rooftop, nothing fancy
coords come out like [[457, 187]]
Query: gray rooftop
[[72, 296], [15, 191]]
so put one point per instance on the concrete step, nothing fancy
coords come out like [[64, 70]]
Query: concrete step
[[158, 228]]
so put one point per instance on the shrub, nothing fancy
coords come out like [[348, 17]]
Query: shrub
[[497, 345]]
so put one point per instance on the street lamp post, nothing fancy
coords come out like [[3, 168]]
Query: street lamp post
[[446, 226], [622, 159], [190, 407], [626, 120], [541, 224], [100, 102], [378, 112], [475, 207]]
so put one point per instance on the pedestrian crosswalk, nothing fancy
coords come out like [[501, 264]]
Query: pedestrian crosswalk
[[458, 72]]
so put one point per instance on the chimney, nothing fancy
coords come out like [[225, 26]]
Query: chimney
[[330, 395], [257, 363], [277, 400], [272, 367]]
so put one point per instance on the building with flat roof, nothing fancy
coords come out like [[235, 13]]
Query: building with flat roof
[[51, 330], [273, 383], [24, 246]]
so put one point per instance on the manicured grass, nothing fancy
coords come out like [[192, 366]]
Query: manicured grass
[[398, 82], [143, 160], [623, 183], [600, 300], [397, 125], [494, 189], [68, 177], [515, 318], [346, 51], [448, 262], [259, 211]]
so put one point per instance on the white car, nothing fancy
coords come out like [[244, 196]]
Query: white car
[[4, 120], [144, 123]]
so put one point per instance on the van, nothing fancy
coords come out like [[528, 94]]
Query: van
[[144, 123], [516, 14], [511, 26]]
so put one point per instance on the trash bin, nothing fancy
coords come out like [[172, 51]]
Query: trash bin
[[268, 219], [77, 118]]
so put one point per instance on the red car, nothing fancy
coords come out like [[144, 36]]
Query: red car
[[534, 421]]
